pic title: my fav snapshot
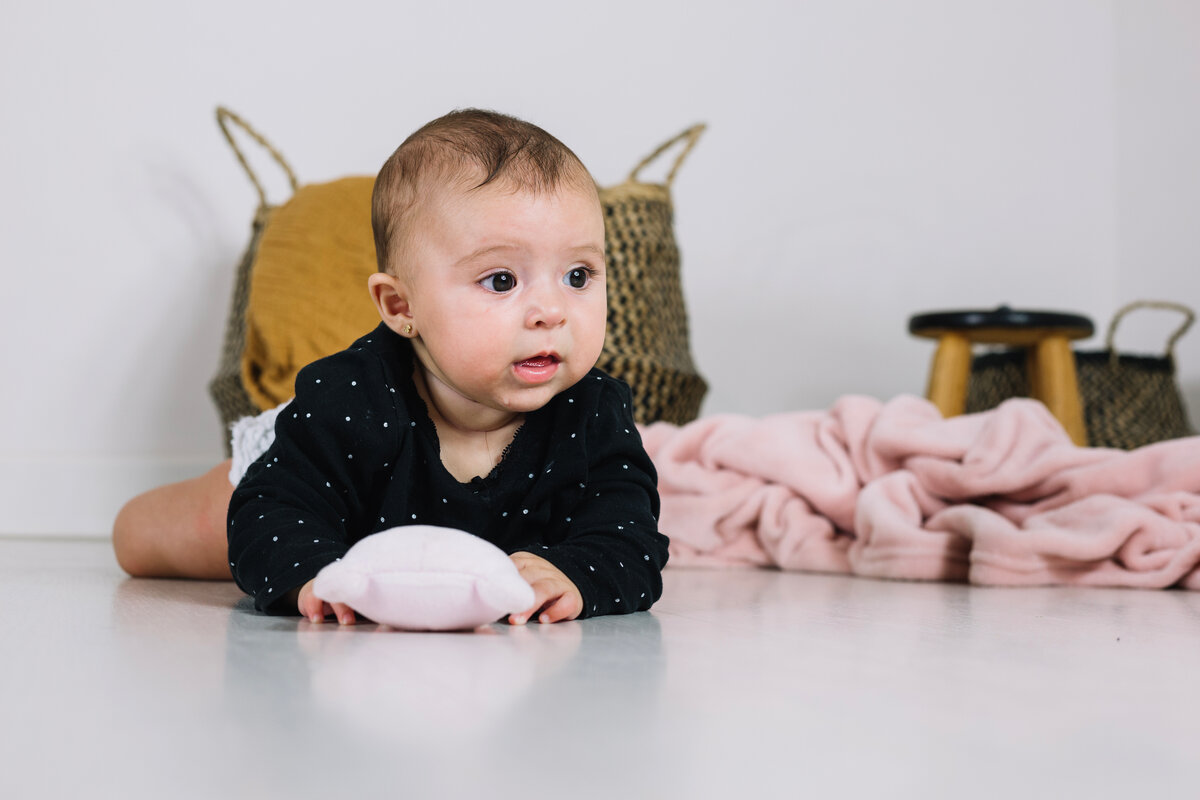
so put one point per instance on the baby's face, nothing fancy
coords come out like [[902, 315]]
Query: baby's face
[[507, 292]]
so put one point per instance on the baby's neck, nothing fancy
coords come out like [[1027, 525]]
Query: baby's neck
[[452, 411], [472, 439]]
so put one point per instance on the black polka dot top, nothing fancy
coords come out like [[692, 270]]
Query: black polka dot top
[[356, 453]]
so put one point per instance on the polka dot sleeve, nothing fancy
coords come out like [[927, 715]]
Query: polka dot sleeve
[[612, 550], [292, 512]]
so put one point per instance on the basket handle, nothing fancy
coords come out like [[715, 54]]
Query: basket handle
[[224, 117], [1189, 317], [691, 135]]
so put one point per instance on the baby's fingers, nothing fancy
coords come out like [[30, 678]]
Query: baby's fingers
[[567, 606], [318, 610], [551, 604], [314, 609], [521, 617], [344, 614], [311, 607]]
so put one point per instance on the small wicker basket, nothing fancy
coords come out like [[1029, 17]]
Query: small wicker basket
[[1128, 400]]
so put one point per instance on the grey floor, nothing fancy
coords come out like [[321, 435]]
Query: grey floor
[[738, 684]]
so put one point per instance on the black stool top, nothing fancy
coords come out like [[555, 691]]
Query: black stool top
[[1002, 317]]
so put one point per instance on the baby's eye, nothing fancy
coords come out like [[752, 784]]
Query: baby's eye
[[578, 277], [500, 282]]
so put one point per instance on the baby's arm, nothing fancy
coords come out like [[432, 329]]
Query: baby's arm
[[612, 551], [303, 504]]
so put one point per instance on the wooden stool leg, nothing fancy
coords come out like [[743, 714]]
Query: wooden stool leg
[[949, 374], [1052, 373]]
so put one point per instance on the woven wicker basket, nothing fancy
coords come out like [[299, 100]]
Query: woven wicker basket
[[1128, 400], [647, 340], [226, 387]]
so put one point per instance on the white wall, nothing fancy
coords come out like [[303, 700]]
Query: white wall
[[866, 160], [1158, 173]]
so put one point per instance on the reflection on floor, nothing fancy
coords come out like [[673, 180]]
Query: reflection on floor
[[738, 684]]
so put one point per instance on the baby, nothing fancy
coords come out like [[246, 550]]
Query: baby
[[475, 403]]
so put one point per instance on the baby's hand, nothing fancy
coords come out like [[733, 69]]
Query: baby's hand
[[314, 609], [555, 597]]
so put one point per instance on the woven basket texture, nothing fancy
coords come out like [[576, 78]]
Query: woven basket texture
[[226, 388], [647, 340], [1128, 400]]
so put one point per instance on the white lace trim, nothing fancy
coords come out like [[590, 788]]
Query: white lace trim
[[251, 437]]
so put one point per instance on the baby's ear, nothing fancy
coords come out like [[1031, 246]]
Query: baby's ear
[[391, 298]]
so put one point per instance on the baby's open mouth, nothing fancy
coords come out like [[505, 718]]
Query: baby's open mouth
[[539, 362], [537, 369]]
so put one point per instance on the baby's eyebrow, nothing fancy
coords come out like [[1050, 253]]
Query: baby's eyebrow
[[492, 249], [486, 250]]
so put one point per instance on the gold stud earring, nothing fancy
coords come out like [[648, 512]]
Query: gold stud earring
[[408, 330]]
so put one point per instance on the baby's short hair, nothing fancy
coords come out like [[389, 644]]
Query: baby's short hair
[[461, 146]]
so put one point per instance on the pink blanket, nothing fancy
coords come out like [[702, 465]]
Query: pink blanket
[[893, 490]]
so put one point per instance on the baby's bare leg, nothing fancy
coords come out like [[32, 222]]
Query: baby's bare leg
[[177, 530]]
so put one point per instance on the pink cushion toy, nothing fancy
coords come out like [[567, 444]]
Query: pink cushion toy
[[421, 577]]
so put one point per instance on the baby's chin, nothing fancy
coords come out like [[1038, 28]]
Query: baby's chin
[[529, 401], [531, 398]]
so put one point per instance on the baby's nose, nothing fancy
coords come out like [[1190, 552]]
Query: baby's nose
[[546, 310]]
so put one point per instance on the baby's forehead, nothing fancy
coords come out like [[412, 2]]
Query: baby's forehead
[[453, 197], [465, 223]]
